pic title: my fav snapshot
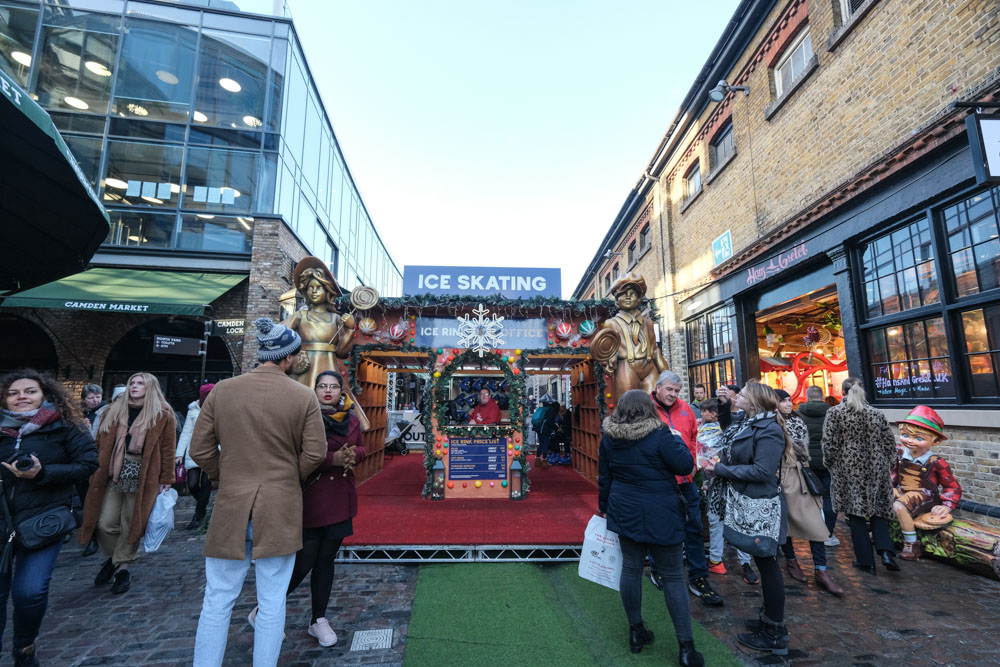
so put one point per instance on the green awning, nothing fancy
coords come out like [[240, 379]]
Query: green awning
[[130, 291]]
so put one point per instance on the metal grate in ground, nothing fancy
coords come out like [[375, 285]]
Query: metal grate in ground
[[372, 640]]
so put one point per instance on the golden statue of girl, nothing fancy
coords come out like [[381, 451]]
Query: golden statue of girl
[[326, 334]]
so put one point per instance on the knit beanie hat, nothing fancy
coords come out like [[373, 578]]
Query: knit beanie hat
[[782, 394], [203, 392], [275, 341]]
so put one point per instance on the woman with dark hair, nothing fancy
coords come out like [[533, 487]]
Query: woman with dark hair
[[859, 449], [91, 403], [750, 454], [329, 502], [638, 492], [45, 449], [198, 483], [135, 444]]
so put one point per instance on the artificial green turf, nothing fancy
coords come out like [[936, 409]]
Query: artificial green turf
[[523, 614]]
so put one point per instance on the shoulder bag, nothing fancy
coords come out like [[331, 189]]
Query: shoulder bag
[[813, 484], [40, 530], [752, 525]]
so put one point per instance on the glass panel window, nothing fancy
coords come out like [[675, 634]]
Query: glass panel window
[[692, 181], [981, 330], [792, 65], [87, 151], [293, 114], [143, 229], [708, 337], [17, 35], [77, 57], [142, 174], [911, 360], [220, 180], [607, 284], [216, 233], [723, 146], [899, 271], [279, 64], [157, 69], [644, 238], [614, 272], [697, 332], [631, 253], [232, 76], [973, 242]]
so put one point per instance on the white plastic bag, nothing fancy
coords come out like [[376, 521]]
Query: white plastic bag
[[601, 555], [161, 520]]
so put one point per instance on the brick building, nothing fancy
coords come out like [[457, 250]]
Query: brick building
[[813, 212], [203, 133]]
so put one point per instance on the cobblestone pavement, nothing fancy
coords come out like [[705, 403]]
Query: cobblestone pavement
[[928, 614]]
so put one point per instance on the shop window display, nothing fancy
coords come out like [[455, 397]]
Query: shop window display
[[911, 360], [981, 328]]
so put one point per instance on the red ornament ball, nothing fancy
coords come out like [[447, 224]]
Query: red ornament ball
[[451, 485], [515, 371], [465, 485]]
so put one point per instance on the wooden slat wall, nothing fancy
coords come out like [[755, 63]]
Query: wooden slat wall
[[373, 378], [587, 427]]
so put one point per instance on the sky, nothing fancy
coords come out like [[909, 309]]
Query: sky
[[502, 134]]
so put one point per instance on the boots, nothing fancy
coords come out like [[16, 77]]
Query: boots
[[25, 657], [638, 636], [794, 571], [824, 581], [196, 521], [769, 636], [688, 657], [754, 624]]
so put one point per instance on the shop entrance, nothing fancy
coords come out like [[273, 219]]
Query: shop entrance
[[800, 344]]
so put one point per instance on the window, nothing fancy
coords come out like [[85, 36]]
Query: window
[[692, 181], [217, 233], [220, 180], [141, 174], [723, 146], [793, 64], [231, 80], [644, 239], [899, 272], [607, 284], [17, 34], [710, 349], [614, 272], [973, 242], [849, 8], [141, 228], [77, 57], [87, 151], [156, 73], [981, 354], [631, 253], [911, 360]]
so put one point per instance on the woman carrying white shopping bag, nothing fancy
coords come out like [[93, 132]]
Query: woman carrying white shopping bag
[[639, 457]]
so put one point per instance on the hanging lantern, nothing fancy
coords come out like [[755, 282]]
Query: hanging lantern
[[587, 328], [437, 480], [564, 330], [367, 326], [516, 479]]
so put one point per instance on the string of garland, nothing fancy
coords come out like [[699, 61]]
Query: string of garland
[[418, 301]]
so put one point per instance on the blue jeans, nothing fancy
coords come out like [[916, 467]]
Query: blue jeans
[[829, 516], [224, 581], [543, 445], [28, 585]]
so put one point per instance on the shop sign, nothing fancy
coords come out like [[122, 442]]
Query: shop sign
[[511, 283], [777, 264], [898, 381], [177, 345], [525, 334], [228, 327], [109, 306], [416, 432], [984, 143], [722, 248], [477, 458]]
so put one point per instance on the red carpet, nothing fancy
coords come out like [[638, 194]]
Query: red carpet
[[391, 511]]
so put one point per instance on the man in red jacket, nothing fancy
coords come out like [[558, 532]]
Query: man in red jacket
[[679, 416], [487, 412]]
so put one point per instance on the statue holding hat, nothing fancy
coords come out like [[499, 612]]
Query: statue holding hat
[[924, 487], [627, 342], [326, 334]]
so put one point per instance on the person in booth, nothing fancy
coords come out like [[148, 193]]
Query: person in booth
[[487, 412]]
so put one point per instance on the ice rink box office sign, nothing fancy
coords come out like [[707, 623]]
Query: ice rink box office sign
[[511, 283]]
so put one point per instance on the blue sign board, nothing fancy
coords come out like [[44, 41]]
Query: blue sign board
[[722, 248], [477, 458], [526, 334], [512, 283]]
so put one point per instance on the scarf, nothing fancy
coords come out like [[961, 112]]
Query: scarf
[[19, 424], [717, 487], [136, 443], [335, 420]]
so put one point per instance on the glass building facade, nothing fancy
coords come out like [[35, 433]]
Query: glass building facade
[[191, 121]]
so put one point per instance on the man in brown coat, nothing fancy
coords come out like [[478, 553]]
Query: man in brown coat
[[259, 434]]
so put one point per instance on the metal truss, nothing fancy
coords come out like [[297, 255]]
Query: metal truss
[[436, 553]]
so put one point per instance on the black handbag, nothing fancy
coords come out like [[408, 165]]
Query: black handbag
[[36, 532], [813, 485]]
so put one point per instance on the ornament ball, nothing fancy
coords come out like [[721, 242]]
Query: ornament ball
[[478, 484], [451, 485], [504, 484], [465, 485]]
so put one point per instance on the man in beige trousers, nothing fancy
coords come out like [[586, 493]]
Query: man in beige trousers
[[259, 434]]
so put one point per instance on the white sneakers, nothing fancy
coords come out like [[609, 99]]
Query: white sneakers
[[832, 542], [323, 633]]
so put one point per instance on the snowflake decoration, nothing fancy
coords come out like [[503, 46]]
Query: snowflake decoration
[[480, 334]]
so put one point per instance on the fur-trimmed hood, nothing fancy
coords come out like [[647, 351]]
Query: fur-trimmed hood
[[625, 434]]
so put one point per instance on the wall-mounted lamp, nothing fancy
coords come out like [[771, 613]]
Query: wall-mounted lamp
[[719, 92], [611, 253]]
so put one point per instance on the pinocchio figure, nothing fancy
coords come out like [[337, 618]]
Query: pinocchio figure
[[925, 489]]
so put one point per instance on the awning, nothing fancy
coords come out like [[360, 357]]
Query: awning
[[130, 291], [50, 220]]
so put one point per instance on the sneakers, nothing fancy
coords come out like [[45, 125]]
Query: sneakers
[[323, 633], [716, 568], [701, 588], [252, 620], [911, 551], [655, 579], [749, 575], [832, 542]]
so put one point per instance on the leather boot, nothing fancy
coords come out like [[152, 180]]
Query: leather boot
[[823, 580], [688, 657], [754, 624], [25, 657], [771, 637], [794, 571], [638, 636], [911, 551]]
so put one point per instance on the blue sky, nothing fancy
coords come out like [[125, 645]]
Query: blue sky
[[502, 134]]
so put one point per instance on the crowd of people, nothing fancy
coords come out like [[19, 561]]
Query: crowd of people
[[766, 472]]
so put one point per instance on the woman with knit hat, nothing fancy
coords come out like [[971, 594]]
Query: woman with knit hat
[[199, 485], [923, 485]]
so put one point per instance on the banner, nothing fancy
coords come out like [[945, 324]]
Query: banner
[[526, 334], [512, 283]]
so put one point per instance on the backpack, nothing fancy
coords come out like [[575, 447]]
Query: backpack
[[537, 417]]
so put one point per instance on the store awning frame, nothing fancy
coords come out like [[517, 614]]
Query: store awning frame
[[114, 290]]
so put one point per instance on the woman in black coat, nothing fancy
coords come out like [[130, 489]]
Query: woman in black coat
[[45, 449], [638, 492]]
